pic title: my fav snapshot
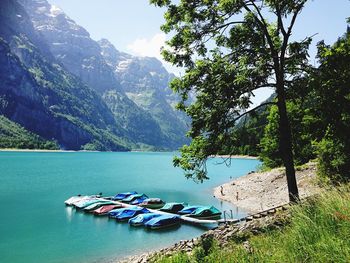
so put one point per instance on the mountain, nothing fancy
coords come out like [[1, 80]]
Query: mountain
[[145, 81], [138, 97], [42, 96], [60, 84]]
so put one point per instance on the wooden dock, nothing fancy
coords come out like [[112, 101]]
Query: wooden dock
[[211, 223], [202, 222]]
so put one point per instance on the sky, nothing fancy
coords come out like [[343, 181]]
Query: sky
[[133, 26]]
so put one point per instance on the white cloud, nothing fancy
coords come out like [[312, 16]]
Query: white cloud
[[151, 48], [148, 47]]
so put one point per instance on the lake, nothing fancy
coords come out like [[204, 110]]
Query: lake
[[36, 226]]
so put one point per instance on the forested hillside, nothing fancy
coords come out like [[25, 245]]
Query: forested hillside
[[13, 136]]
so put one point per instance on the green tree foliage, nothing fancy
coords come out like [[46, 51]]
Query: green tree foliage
[[332, 86], [229, 50], [302, 124], [319, 111], [13, 136], [248, 133]]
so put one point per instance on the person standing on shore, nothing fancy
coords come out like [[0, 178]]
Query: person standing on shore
[[222, 190]]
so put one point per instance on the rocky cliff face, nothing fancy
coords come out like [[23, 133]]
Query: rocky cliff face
[[82, 93], [145, 81], [82, 56], [71, 45], [40, 95]]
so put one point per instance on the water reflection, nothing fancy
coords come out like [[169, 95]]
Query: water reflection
[[69, 213]]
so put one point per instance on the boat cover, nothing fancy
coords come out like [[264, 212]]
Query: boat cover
[[163, 221], [153, 201], [206, 211], [105, 209], [138, 201], [189, 209], [79, 199], [88, 203], [129, 213], [142, 218], [133, 197], [121, 196], [115, 212], [97, 205], [73, 199], [173, 207], [85, 202]]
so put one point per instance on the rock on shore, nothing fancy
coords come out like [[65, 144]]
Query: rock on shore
[[222, 236]]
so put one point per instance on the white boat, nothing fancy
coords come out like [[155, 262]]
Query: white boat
[[74, 199]]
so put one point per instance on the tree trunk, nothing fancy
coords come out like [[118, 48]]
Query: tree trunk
[[285, 143]]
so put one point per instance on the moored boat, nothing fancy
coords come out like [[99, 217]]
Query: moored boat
[[83, 200], [131, 198], [128, 213], [115, 212], [206, 212], [88, 202], [139, 200], [163, 221], [153, 203], [103, 210], [173, 207], [189, 209], [73, 199], [78, 198], [96, 205], [141, 219], [121, 196]]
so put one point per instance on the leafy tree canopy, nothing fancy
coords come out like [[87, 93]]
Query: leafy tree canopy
[[229, 49]]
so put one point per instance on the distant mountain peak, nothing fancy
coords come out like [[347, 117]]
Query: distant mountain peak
[[55, 11]]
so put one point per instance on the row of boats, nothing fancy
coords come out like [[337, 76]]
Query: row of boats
[[140, 210]]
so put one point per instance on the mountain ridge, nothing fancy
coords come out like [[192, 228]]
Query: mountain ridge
[[43, 46]]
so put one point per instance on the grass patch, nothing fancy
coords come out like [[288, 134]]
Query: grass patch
[[318, 231]]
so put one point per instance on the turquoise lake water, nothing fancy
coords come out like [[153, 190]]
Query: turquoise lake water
[[36, 226]]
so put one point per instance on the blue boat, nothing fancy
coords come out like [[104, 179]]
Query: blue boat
[[163, 221], [138, 201], [153, 203], [189, 209], [121, 196], [115, 212], [173, 207], [131, 198], [142, 219], [131, 212]]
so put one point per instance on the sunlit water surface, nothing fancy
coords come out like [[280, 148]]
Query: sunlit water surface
[[36, 226]]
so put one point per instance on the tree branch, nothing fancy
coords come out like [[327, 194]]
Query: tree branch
[[263, 26], [289, 31], [254, 109], [279, 20]]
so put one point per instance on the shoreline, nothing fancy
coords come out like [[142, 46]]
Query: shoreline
[[259, 191], [137, 151], [36, 150]]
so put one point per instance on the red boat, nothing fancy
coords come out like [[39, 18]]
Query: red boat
[[103, 210]]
